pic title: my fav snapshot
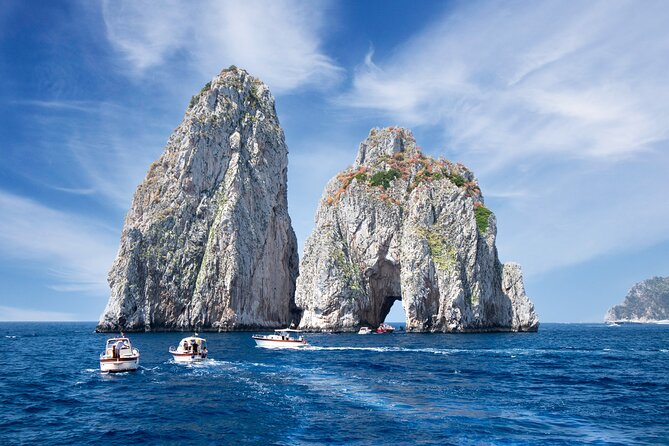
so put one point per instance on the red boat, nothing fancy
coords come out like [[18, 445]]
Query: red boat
[[385, 328]]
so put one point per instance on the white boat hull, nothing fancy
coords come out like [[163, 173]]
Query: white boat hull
[[119, 365], [180, 357], [278, 343]]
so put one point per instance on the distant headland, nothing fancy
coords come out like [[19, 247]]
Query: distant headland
[[646, 302]]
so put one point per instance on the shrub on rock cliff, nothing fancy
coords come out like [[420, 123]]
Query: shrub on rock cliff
[[384, 178], [482, 217], [456, 179]]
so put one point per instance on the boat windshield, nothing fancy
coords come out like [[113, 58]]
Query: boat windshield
[[118, 342]]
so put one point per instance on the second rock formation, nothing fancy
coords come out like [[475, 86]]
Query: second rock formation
[[399, 225]]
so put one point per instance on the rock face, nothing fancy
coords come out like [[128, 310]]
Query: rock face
[[647, 301], [208, 243], [400, 225]]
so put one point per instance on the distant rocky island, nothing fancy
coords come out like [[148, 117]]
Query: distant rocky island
[[646, 302], [208, 243]]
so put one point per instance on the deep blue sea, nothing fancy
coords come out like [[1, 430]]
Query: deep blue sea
[[567, 384]]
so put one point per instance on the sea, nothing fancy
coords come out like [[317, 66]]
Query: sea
[[568, 384]]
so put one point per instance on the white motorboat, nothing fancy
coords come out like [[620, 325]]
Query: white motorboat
[[190, 349], [281, 339], [365, 330], [119, 356]]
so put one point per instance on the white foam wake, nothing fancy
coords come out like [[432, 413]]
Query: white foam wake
[[435, 351]]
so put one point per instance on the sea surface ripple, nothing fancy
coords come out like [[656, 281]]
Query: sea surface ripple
[[568, 384]]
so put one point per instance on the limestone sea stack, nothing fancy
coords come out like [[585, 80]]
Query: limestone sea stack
[[646, 302], [208, 243], [399, 225]]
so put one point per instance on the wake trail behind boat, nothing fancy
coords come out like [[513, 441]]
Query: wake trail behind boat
[[386, 349]]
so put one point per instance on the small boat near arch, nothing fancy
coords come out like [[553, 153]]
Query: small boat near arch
[[385, 328]]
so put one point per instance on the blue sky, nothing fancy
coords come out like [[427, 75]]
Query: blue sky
[[560, 108]]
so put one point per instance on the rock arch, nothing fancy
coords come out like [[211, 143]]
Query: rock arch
[[400, 225]]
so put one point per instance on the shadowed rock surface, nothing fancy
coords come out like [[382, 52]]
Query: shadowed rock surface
[[400, 225], [208, 243], [647, 301]]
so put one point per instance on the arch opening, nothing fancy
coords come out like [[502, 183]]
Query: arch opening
[[384, 289], [386, 306], [396, 314]]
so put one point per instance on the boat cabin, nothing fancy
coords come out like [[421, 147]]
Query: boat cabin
[[284, 333], [193, 345], [117, 347]]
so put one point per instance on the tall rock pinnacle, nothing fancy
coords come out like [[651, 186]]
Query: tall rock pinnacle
[[208, 243], [401, 226]]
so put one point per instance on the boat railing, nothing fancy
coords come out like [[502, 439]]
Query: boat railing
[[126, 351]]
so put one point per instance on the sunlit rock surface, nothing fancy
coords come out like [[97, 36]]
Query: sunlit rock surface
[[208, 243], [400, 225]]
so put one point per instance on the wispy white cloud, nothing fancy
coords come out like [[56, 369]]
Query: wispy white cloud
[[14, 314], [102, 150], [512, 79], [583, 211], [561, 106], [278, 41], [75, 252], [73, 190], [81, 106]]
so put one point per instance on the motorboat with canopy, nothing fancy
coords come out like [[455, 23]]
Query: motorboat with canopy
[[281, 339], [190, 349], [119, 356]]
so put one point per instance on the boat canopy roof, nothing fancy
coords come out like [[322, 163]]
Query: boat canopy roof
[[115, 340], [194, 338], [287, 330]]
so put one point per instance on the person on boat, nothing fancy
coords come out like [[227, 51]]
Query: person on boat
[[194, 345], [119, 345]]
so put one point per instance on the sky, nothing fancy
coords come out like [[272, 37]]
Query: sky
[[561, 109]]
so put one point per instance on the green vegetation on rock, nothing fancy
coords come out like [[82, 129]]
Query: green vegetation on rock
[[349, 268], [456, 179], [384, 178], [194, 99], [362, 177], [443, 254], [482, 217]]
